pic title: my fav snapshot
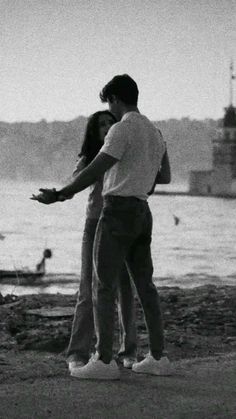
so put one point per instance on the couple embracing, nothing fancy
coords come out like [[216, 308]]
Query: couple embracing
[[122, 158]]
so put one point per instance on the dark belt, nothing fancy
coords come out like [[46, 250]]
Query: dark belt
[[118, 198]]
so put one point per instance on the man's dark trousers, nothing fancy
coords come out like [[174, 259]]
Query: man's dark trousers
[[124, 234]]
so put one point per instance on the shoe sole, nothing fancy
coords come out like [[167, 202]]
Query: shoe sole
[[72, 368], [104, 378]]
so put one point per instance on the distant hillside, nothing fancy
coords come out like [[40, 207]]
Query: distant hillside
[[189, 144], [42, 150], [48, 150]]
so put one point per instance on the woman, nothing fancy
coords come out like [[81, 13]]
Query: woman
[[78, 352]]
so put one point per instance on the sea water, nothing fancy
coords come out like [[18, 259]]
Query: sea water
[[194, 238]]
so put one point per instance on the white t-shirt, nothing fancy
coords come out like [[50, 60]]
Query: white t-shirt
[[139, 147]]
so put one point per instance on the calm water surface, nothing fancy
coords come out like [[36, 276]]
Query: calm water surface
[[200, 249]]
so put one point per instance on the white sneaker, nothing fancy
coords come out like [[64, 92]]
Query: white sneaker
[[97, 370], [153, 367], [128, 362], [75, 364]]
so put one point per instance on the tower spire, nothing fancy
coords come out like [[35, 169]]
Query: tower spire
[[231, 78]]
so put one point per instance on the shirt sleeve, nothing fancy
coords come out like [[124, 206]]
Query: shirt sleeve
[[115, 142]]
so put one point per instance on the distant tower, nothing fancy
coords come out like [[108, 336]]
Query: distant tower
[[224, 149]]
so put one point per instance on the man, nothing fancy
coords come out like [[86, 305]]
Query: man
[[130, 161]]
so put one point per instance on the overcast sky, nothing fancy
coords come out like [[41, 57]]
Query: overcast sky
[[56, 55]]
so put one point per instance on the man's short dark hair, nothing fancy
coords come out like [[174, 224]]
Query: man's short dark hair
[[123, 87]]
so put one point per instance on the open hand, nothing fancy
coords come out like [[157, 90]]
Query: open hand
[[47, 196]]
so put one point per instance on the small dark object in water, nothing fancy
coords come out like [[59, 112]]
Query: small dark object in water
[[47, 253], [176, 219], [25, 276]]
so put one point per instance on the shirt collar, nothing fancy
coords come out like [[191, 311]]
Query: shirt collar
[[128, 114]]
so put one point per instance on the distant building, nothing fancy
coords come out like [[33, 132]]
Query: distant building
[[221, 180], [200, 182]]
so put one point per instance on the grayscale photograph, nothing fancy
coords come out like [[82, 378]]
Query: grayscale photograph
[[117, 210]]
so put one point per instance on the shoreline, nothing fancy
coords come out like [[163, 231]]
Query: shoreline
[[195, 195], [67, 283]]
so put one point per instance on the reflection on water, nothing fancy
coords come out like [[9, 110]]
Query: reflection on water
[[51, 284], [200, 249]]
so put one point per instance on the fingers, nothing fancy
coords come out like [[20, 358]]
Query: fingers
[[36, 198], [44, 190], [46, 196], [39, 198]]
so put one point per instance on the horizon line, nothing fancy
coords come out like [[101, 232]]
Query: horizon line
[[44, 120]]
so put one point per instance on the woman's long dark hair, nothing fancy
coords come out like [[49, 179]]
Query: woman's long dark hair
[[92, 143]]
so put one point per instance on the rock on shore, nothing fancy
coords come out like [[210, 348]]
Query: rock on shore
[[198, 321]]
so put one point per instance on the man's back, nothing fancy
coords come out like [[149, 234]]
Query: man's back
[[138, 145]]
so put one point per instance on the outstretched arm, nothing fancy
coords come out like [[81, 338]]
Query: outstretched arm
[[89, 175], [85, 178], [79, 166]]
